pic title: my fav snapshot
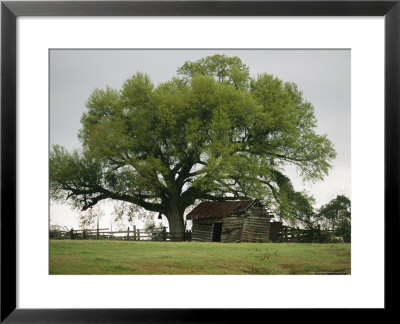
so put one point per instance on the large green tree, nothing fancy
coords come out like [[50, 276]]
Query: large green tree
[[213, 132]]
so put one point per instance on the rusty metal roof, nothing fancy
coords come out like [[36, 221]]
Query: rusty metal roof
[[218, 209]]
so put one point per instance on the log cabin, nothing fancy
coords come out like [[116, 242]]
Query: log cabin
[[230, 221]]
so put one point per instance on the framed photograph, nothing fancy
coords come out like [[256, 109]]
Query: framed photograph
[[162, 158]]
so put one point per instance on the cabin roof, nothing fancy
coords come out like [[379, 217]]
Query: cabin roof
[[218, 209]]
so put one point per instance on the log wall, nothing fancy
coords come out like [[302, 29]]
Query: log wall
[[251, 226], [201, 232], [232, 229], [256, 225]]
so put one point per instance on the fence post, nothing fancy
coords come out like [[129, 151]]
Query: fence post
[[127, 236], [98, 234], [84, 234], [164, 234], [134, 232], [138, 235], [71, 233]]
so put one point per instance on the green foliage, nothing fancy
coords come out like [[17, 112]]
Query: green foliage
[[212, 133], [343, 230], [90, 218], [222, 68], [152, 226], [336, 216]]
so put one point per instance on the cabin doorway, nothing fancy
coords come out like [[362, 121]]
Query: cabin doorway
[[217, 230]]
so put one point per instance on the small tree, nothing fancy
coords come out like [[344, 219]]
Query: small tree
[[153, 229], [336, 216], [344, 230]]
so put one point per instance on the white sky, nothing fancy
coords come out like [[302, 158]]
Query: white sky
[[322, 75]]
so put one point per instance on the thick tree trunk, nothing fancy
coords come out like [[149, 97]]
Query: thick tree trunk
[[176, 224]]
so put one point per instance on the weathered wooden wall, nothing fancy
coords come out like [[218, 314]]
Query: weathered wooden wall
[[232, 229], [201, 231], [256, 225], [251, 226]]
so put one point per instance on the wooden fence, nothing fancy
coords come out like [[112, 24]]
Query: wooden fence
[[278, 233], [128, 235], [298, 235]]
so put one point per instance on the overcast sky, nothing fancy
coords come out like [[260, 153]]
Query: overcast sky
[[322, 75]]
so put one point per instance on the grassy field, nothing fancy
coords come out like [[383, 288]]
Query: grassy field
[[119, 257]]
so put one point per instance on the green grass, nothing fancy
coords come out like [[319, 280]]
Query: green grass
[[121, 257]]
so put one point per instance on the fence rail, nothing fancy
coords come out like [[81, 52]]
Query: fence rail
[[130, 234], [298, 235]]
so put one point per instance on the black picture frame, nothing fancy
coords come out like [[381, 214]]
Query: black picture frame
[[10, 10]]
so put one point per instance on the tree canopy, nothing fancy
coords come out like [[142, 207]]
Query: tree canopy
[[213, 132], [336, 216]]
